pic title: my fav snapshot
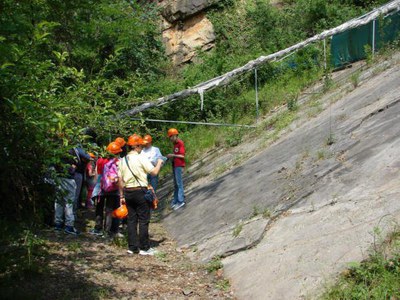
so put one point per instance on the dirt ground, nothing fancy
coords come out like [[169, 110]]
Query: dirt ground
[[91, 267]]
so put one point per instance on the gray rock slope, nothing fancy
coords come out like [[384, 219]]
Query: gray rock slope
[[292, 216]]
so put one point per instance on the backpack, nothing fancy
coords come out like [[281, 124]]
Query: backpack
[[110, 174]]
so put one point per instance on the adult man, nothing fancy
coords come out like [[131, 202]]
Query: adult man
[[178, 165], [152, 154], [133, 170]]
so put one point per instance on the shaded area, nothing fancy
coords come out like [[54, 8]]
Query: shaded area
[[92, 267]]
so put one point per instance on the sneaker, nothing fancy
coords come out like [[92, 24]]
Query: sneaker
[[129, 251], [150, 251], [178, 206], [58, 227], [119, 235], [71, 230], [95, 231], [173, 206]]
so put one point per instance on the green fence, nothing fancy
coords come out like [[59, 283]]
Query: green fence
[[350, 46]]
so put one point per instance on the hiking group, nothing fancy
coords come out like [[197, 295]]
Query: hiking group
[[121, 178]]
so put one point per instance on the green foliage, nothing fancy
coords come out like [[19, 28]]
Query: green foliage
[[161, 256], [214, 265], [375, 278], [223, 285], [22, 255], [266, 213], [66, 66], [237, 230], [369, 54]]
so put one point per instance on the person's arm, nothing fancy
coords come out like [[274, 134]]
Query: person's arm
[[156, 169], [82, 153], [175, 155], [96, 175], [121, 185], [91, 171], [121, 191]]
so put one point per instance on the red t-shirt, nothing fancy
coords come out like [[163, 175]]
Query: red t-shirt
[[179, 148], [100, 164]]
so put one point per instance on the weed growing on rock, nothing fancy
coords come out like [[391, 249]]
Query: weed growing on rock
[[214, 265], [223, 285], [237, 230]]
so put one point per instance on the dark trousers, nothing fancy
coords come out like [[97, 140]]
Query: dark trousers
[[111, 202], [138, 218]]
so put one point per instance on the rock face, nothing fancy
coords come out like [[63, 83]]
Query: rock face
[[184, 39], [186, 28]]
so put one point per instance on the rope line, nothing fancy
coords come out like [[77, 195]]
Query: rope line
[[194, 123]]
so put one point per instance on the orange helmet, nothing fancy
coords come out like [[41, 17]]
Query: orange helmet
[[147, 139], [114, 148], [172, 131], [121, 212], [135, 140], [120, 141], [92, 155]]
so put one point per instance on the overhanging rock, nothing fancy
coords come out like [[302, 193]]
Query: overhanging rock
[[175, 10]]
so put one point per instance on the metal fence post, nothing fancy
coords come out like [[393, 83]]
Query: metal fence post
[[325, 63], [373, 37], [256, 88]]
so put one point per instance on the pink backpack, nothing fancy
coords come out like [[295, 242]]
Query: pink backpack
[[109, 180]]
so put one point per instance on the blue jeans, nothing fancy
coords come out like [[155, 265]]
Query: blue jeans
[[65, 202], [179, 196], [78, 177], [153, 181]]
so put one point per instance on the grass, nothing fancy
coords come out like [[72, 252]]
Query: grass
[[321, 154], [237, 230], [214, 264], [223, 285], [162, 256], [355, 79], [21, 256], [266, 213], [378, 277], [74, 247]]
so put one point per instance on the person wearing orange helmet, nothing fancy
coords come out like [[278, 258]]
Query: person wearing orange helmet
[[178, 165], [108, 195], [133, 170], [121, 142], [152, 154]]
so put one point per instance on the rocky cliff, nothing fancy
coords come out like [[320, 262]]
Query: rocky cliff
[[186, 28]]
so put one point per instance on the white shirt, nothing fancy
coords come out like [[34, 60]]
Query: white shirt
[[152, 154]]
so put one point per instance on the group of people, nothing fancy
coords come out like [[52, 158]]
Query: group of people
[[120, 178]]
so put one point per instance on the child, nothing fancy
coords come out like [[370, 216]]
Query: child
[[178, 165]]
